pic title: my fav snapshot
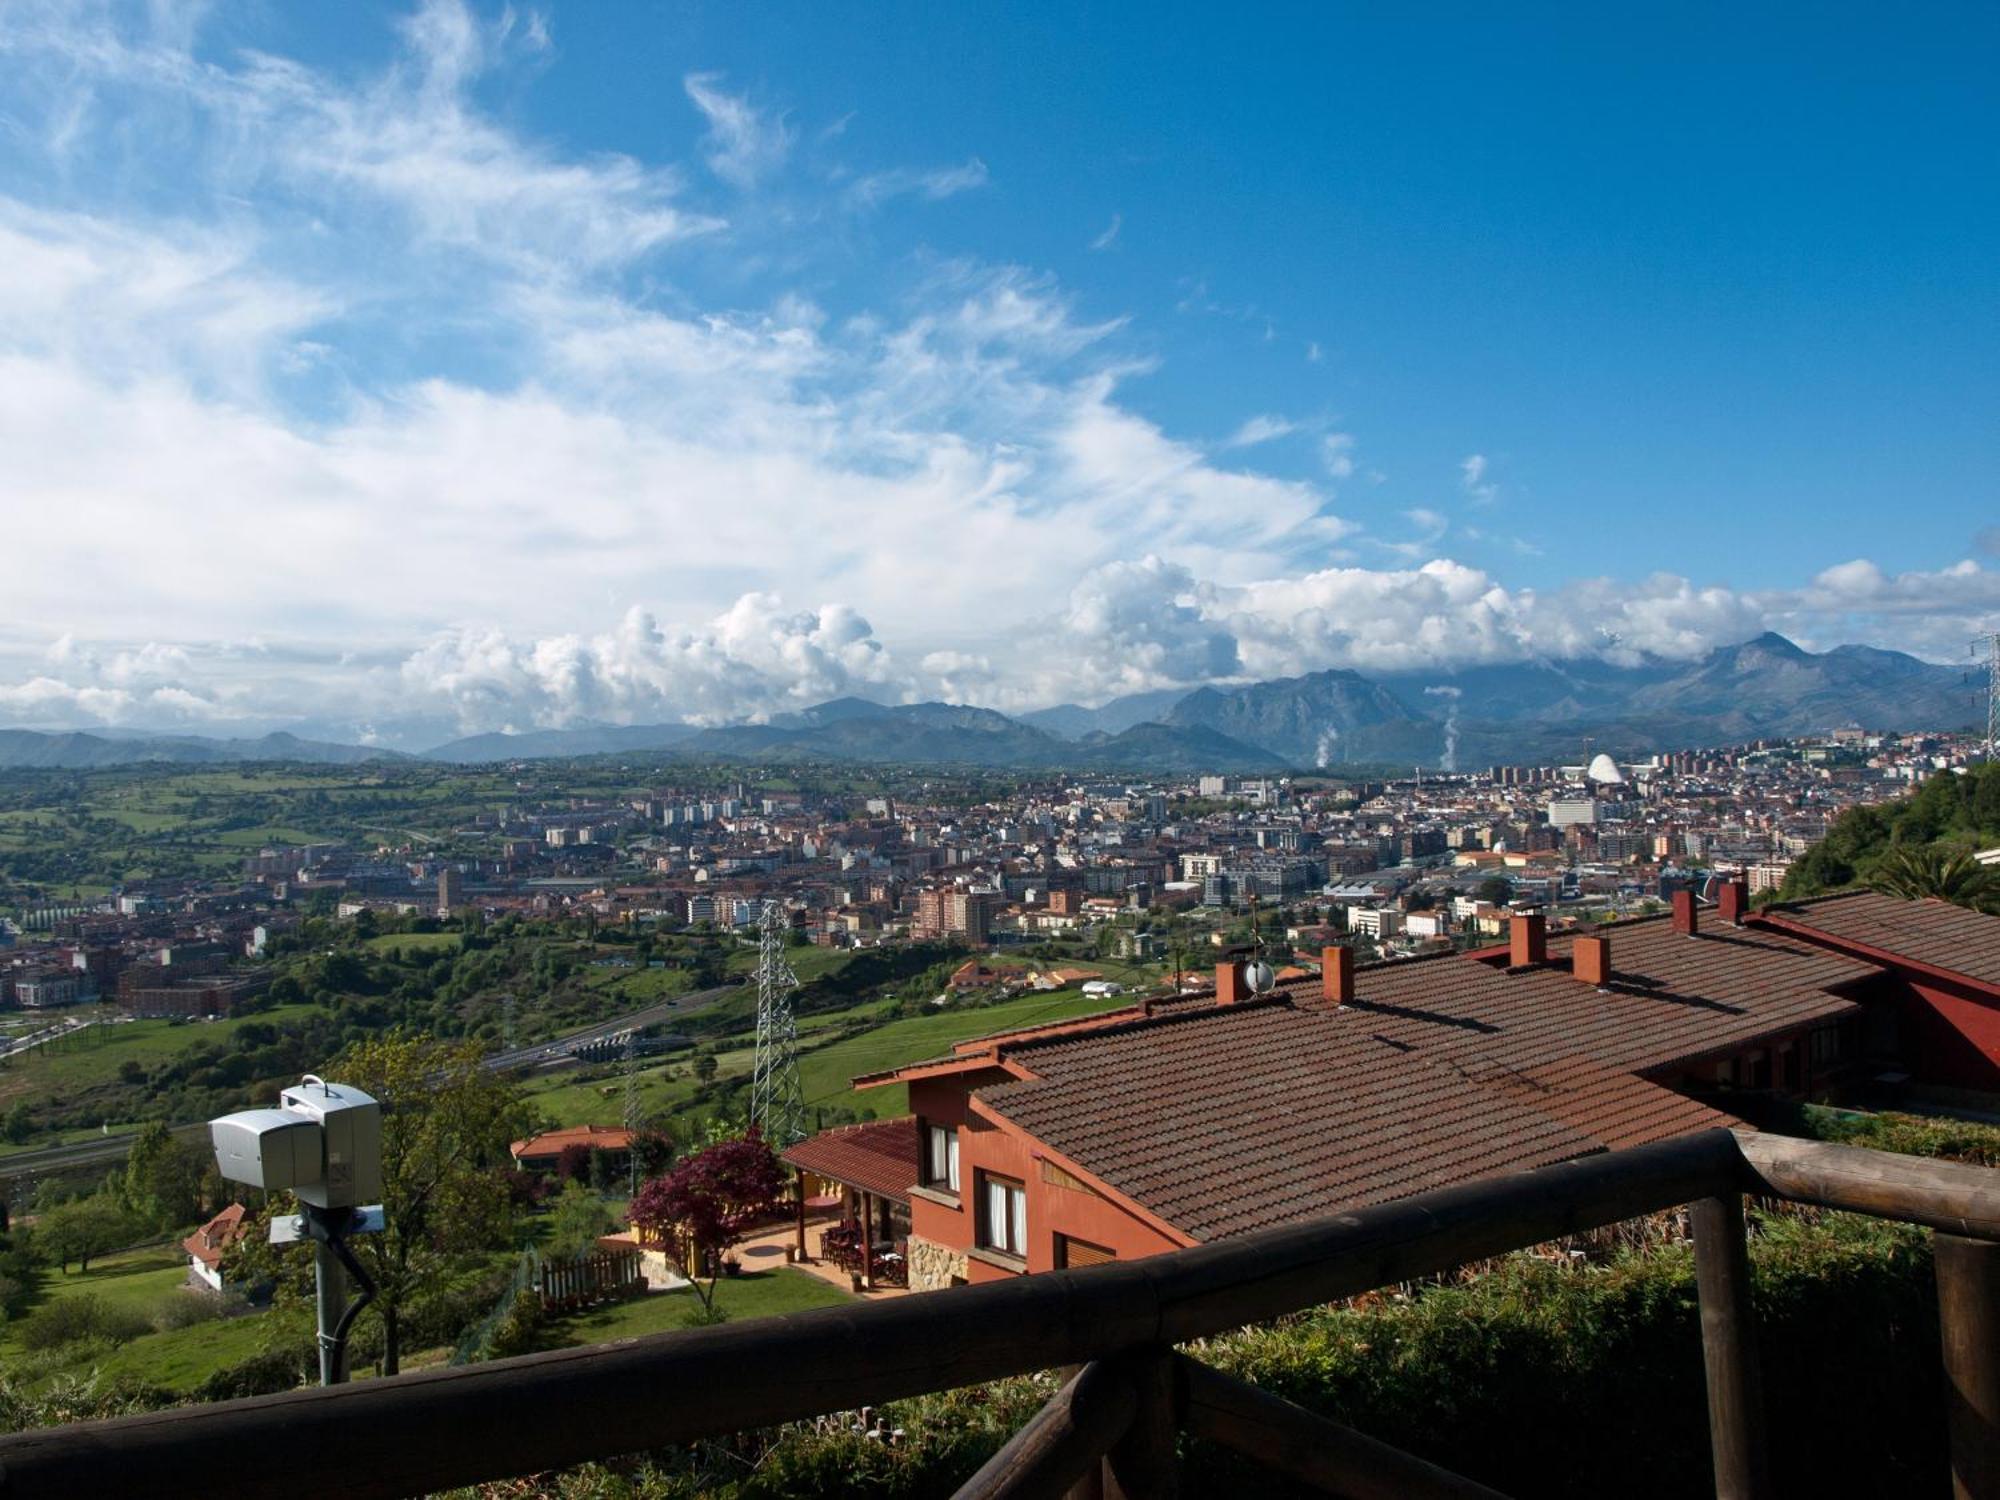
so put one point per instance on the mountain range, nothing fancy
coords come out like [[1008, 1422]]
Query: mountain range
[[1515, 713]]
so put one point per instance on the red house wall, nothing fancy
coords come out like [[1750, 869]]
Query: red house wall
[[1053, 1209], [1951, 1033]]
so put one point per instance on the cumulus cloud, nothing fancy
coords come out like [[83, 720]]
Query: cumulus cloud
[[385, 371]]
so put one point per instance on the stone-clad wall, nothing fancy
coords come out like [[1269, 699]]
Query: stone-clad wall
[[933, 1266]]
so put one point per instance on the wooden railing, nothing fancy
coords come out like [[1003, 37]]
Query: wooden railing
[[1112, 1427]]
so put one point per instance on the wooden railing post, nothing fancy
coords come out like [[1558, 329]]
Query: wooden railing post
[[1968, 1283], [1091, 1485], [1142, 1464], [1729, 1348]]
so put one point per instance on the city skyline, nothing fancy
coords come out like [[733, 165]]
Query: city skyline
[[508, 369]]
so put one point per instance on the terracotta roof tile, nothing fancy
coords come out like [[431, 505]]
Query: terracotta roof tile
[[1935, 933], [876, 1156]]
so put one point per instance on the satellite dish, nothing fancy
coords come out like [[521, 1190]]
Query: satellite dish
[[1259, 979]]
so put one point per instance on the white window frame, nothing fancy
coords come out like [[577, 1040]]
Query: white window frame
[[947, 1137], [1003, 1215]]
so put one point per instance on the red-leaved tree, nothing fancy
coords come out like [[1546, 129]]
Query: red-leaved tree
[[710, 1201]]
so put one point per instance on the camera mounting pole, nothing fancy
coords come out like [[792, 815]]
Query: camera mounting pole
[[324, 1143]]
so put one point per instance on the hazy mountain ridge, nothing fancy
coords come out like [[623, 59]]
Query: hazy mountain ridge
[[1513, 713], [75, 750]]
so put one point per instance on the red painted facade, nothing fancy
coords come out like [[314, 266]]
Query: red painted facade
[[1063, 1204]]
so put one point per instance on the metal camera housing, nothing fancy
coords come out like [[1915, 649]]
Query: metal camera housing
[[323, 1142]]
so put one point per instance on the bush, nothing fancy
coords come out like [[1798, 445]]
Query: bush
[[69, 1320], [1911, 1135], [520, 1330], [184, 1309]]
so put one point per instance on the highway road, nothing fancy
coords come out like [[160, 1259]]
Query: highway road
[[562, 1048], [99, 1150]]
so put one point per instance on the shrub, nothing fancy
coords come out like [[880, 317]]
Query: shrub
[[68, 1320], [184, 1309]]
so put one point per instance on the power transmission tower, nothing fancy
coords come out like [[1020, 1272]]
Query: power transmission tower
[[1991, 641], [777, 1103], [632, 1112]]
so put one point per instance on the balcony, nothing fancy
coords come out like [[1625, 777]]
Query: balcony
[[1113, 1423]]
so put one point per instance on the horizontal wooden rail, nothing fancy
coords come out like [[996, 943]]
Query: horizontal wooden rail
[[1312, 1449], [440, 1429], [1947, 1195], [1064, 1441]]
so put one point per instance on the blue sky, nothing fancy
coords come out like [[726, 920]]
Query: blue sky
[[412, 369]]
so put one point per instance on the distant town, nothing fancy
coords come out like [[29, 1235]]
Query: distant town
[[1134, 870]]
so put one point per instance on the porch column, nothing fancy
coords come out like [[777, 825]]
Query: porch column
[[799, 1193], [868, 1242]]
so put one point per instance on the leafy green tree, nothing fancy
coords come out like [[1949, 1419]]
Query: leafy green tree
[[163, 1177], [1917, 873], [578, 1217], [20, 1124], [85, 1227], [446, 1124]]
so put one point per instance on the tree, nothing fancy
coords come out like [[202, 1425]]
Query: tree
[[163, 1177], [577, 1219], [20, 1124], [446, 1124], [709, 1202], [573, 1162], [1916, 873], [1495, 890], [83, 1227], [705, 1067]]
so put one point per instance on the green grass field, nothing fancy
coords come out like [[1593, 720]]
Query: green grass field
[[182, 1358], [825, 1074], [94, 1055], [763, 1294], [136, 1279], [416, 942]]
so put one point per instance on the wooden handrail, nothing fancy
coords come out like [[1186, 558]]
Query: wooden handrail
[[1947, 1195], [1064, 1440], [1312, 1449], [440, 1429]]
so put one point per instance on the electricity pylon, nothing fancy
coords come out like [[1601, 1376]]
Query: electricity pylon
[[777, 1103]]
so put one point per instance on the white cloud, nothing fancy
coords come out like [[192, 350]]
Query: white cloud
[[744, 143], [1109, 235], [393, 375], [933, 184], [1473, 481], [1262, 428]]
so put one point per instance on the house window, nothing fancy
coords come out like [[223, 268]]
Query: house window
[[1826, 1044], [941, 1157], [1072, 1253], [1003, 1215]]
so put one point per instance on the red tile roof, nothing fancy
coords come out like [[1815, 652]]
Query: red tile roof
[[1230, 1118], [1672, 997], [209, 1243], [876, 1156], [555, 1142], [1933, 933]]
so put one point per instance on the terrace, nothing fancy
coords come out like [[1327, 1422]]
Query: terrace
[[1116, 1419]]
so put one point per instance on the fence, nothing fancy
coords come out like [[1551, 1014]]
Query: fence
[[566, 1285], [1114, 1422]]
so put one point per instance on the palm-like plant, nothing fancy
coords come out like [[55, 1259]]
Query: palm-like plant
[[1915, 871]]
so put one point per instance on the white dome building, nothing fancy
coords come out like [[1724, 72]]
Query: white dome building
[[1604, 771]]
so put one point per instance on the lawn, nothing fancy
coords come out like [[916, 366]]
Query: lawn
[[142, 1281], [182, 1358], [762, 1294], [94, 1055], [138, 1279]]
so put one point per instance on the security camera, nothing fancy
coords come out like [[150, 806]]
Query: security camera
[[323, 1142]]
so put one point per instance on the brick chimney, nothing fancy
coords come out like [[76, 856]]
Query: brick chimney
[[1337, 975], [1734, 900], [1590, 960], [1684, 917], [1528, 939], [1229, 985]]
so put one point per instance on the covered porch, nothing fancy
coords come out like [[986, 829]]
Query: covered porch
[[851, 1201]]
